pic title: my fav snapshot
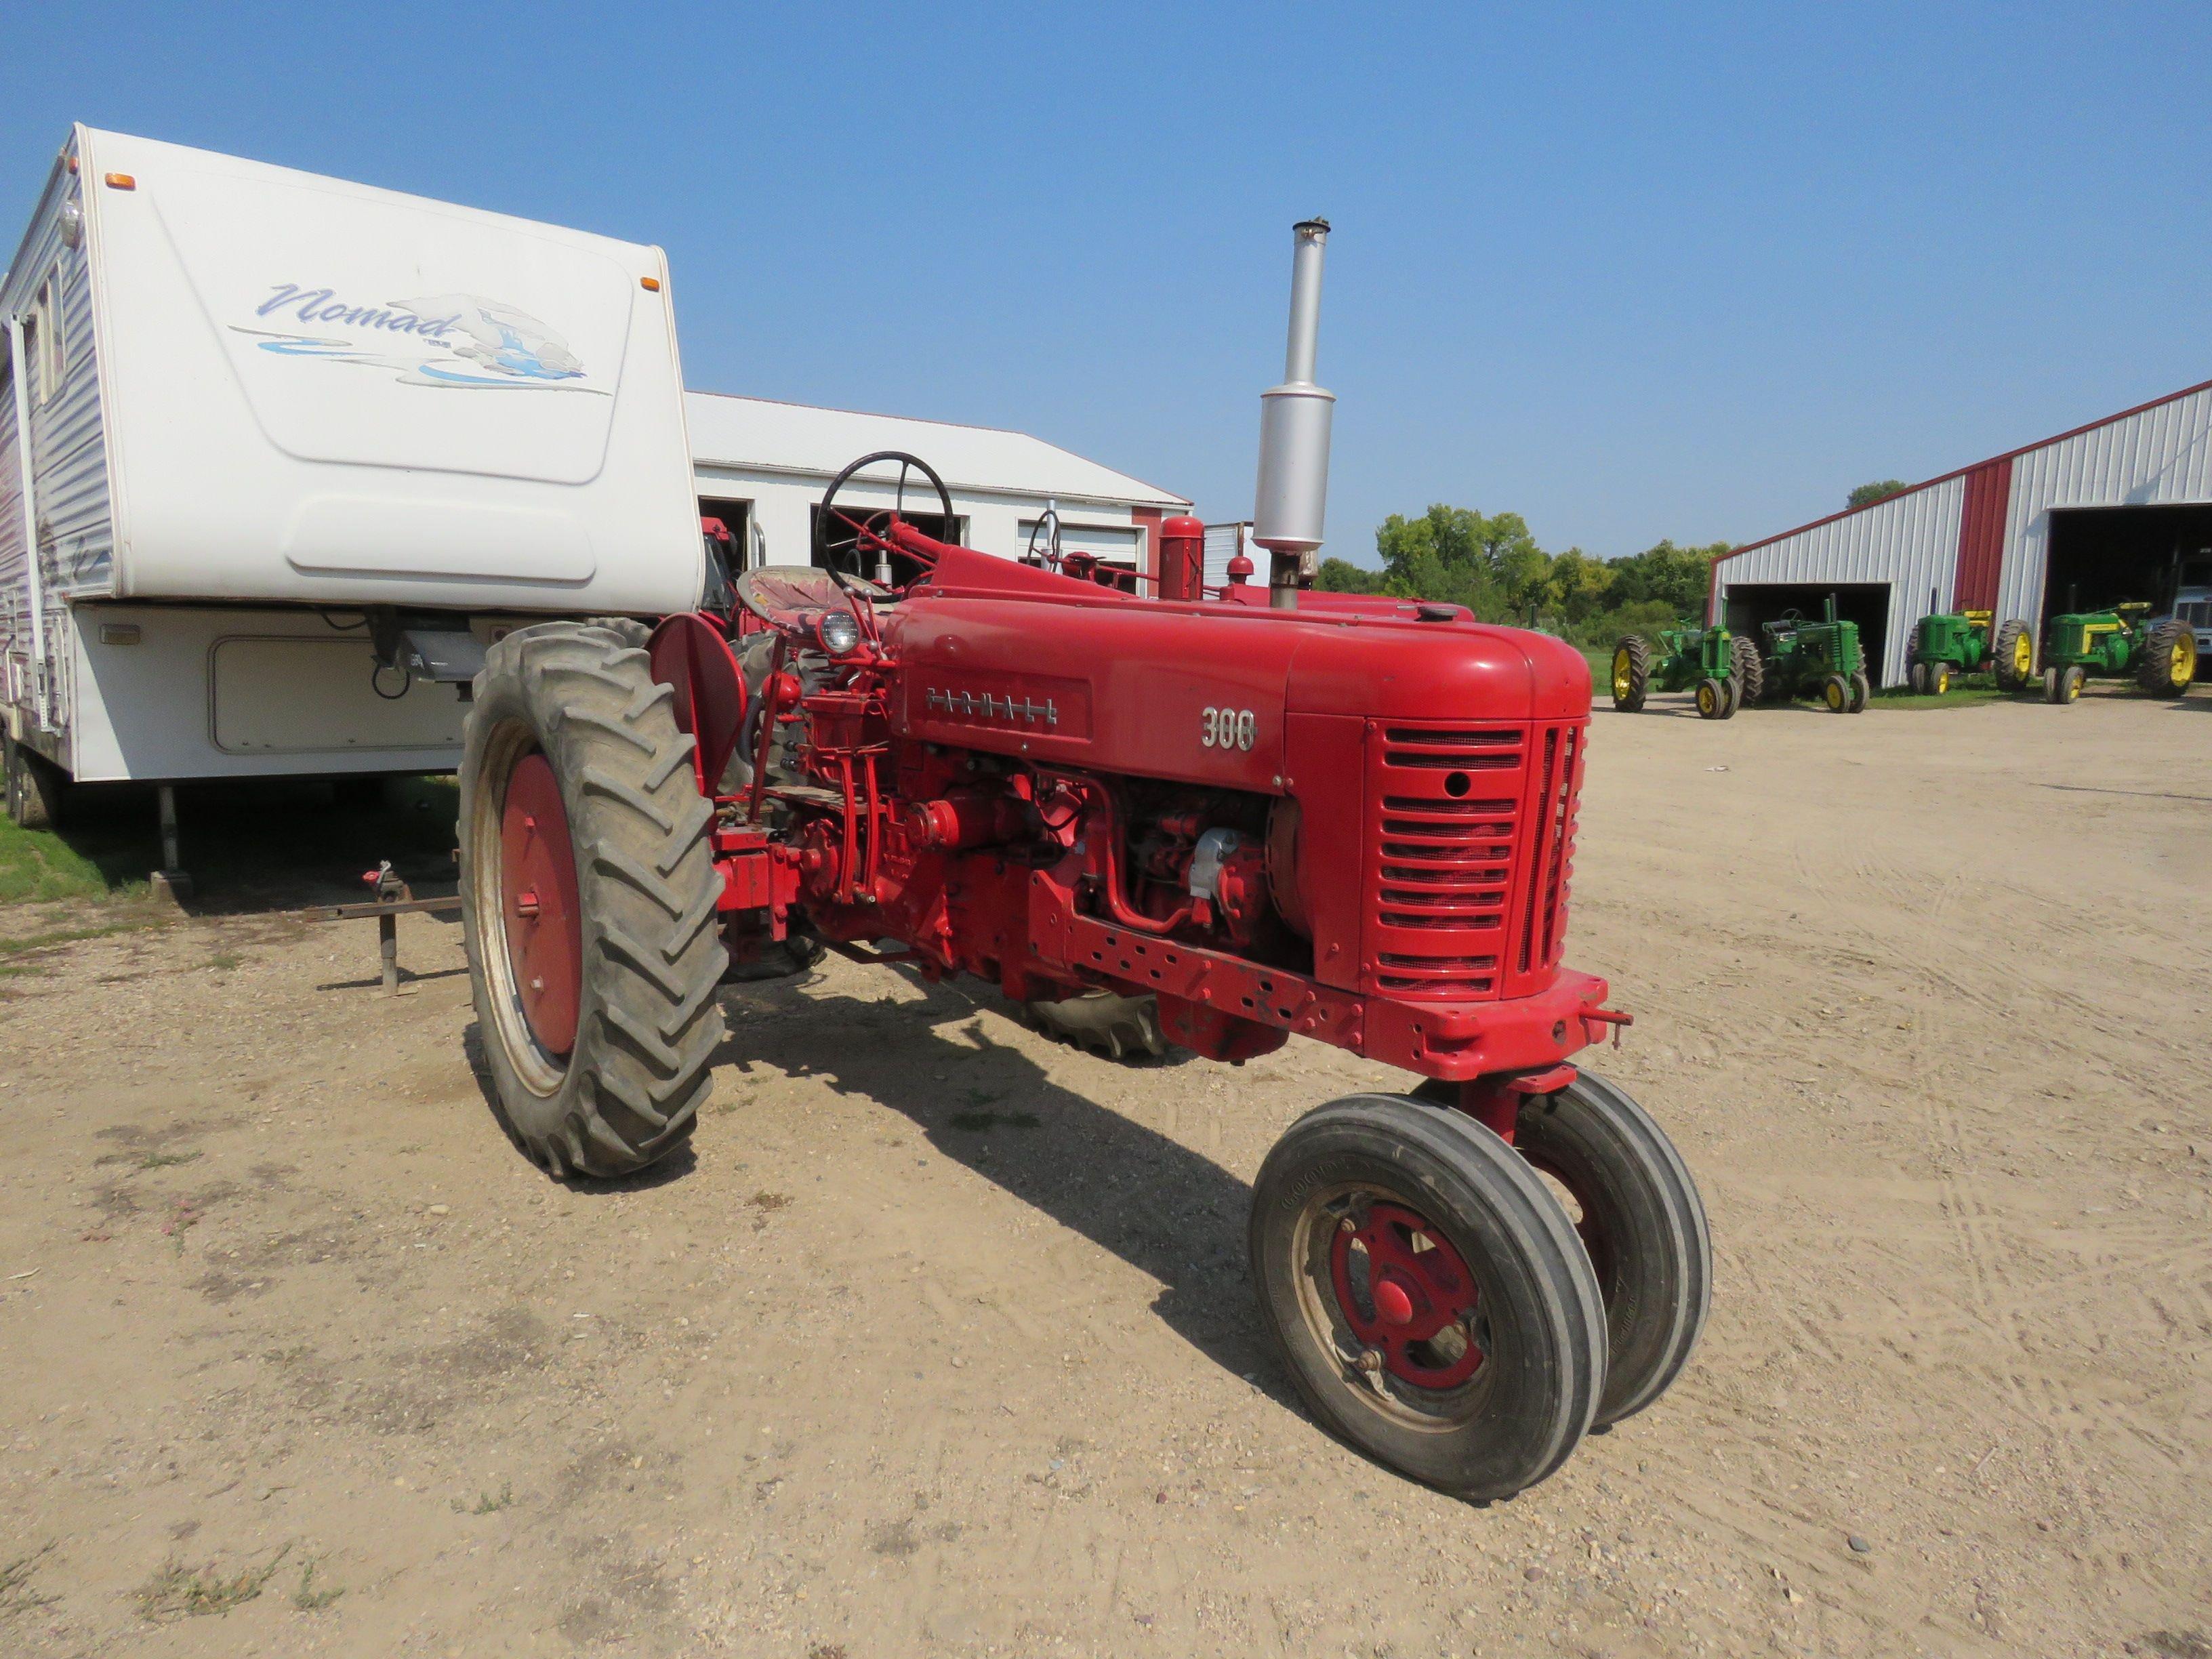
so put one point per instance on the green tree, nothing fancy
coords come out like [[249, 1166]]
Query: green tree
[[1868, 494], [1342, 576]]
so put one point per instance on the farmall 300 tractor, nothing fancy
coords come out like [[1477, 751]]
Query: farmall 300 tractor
[[1278, 812]]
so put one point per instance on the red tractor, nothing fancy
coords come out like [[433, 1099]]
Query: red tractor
[[1351, 819]]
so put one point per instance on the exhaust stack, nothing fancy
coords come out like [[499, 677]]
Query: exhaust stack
[[1294, 423]]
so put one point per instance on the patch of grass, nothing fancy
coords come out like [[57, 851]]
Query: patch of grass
[[177, 1591], [225, 960], [165, 1160], [486, 1504], [978, 1122], [1959, 697], [18, 970], [15, 1593], [37, 865], [307, 1598]]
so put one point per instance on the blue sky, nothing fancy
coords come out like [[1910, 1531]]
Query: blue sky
[[1690, 271]]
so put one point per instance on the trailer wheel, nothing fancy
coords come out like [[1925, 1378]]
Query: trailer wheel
[[1750, 672], [2168, 662], [1631, 673], [1862, 692], [2014, 656], [37, 788], [1712, 700], [1641, 1222], [1427, 1295], [588, 901], [1104, 1021], [1836, 693]]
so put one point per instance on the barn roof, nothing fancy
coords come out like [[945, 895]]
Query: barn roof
[[759, 435]]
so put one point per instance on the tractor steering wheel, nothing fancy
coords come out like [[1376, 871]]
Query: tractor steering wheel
[[869, 526]]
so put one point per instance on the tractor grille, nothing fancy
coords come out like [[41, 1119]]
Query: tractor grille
[[1472, 832]]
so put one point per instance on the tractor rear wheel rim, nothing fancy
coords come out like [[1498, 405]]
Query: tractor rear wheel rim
[[1403, 1299], [1623, 674], [541, 919]]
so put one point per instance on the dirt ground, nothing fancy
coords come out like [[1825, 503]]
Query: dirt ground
[[942, 1343]]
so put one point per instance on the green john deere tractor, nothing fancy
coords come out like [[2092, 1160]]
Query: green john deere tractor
[[1817, 659], [1946, 644], [1724, 668], [2116, 644]]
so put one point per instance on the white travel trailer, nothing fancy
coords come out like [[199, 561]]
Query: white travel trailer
[[280, 454]]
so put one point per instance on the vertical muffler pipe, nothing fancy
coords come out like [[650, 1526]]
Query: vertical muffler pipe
[[1294, 421]]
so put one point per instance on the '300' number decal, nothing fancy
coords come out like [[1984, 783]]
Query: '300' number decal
[[1225, 728]]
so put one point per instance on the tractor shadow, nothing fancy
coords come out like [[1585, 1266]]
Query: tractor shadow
[[1165, 1210]]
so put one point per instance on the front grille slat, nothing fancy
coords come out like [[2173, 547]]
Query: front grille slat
[[1467, 899]]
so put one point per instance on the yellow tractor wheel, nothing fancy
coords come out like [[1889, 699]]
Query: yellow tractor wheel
[[2168, 662], [1836, 693]]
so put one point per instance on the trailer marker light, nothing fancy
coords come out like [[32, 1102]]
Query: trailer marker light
[[650, 284], [121, 181]]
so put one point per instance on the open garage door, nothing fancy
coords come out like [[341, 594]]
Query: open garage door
[[1750, 605], [2101, 556]]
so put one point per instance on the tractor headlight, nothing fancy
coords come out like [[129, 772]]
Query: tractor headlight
[[838, 633]]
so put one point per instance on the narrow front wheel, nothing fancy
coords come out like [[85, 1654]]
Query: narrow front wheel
[[1641, 1221], [1427, 1295]]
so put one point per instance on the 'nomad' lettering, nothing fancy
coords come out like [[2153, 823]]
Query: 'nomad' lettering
[[322, 305]]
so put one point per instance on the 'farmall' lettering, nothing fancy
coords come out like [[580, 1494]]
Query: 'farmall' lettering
[[322, 305]]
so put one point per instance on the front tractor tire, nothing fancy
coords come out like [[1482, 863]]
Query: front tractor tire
[[588, 901], [1631, 673], [1427, 1295], [2168, 662], [1641, 1221]]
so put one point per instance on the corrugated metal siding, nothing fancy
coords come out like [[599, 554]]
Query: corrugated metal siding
[[69, 450], [14, 595], [1909, 542], [2155, 458]]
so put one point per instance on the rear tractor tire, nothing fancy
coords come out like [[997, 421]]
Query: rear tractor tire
[[588, 901], [1750, 672], [2013, 656], [2168, 662], [1427, 1295], [1631, 673], [1113, 1026], [1641, 1222]]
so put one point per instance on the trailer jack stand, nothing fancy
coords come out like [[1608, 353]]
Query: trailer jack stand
[[394, 896], [170, 881]]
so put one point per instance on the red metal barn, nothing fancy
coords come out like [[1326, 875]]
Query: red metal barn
[[2119, 510]]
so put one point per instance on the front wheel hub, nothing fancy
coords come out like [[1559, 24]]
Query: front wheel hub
[[1407, 1294]]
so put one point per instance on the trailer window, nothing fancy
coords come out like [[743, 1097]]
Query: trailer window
[[42, 342]]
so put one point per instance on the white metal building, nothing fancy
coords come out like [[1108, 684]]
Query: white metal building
[[2106, 513], [762, 468]]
